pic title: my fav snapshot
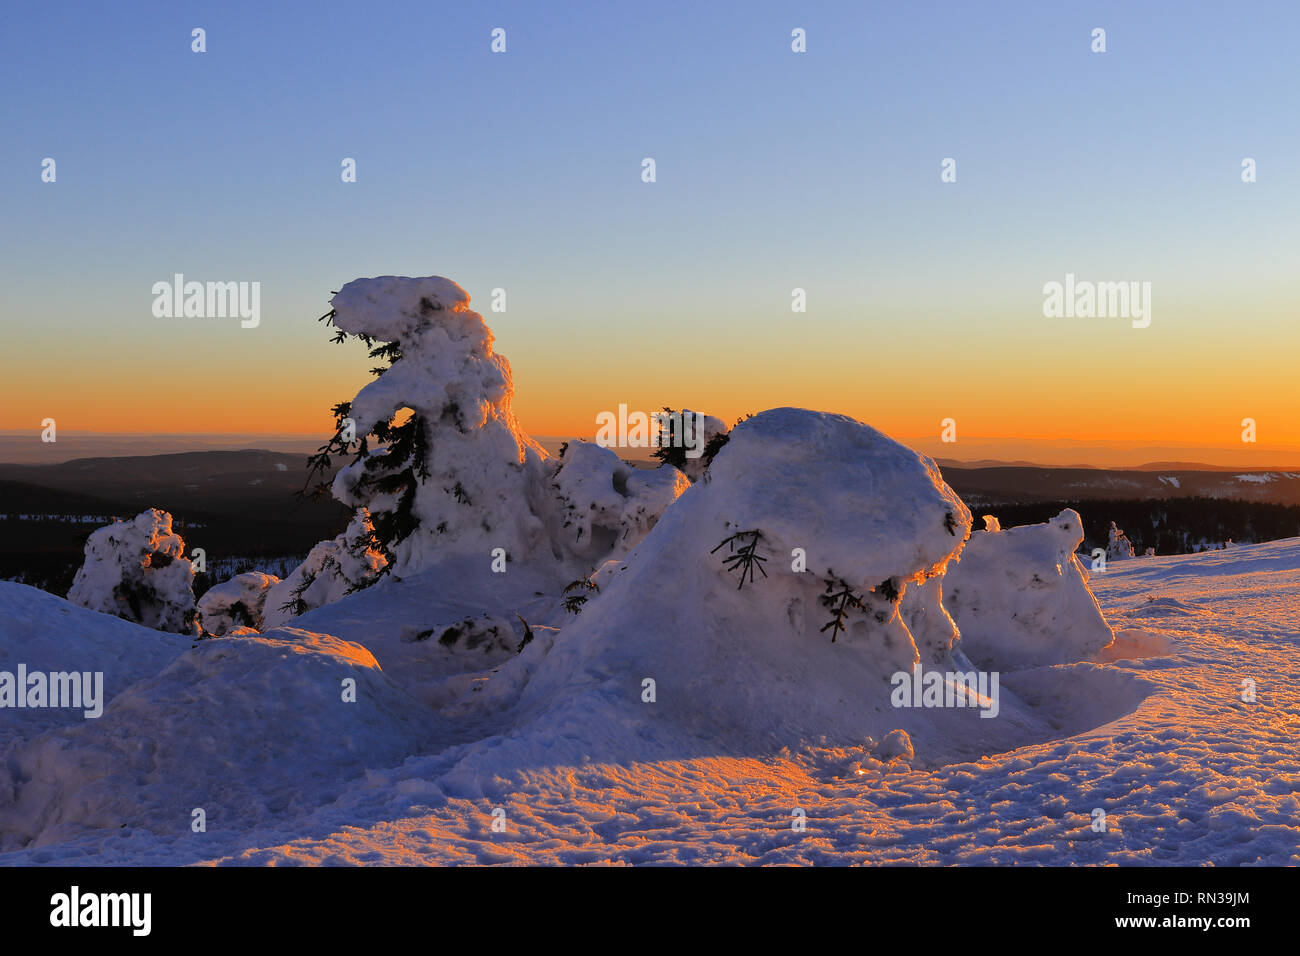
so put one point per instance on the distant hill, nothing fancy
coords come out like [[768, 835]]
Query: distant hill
[[1024, 485], [230, 503], [242, 503]]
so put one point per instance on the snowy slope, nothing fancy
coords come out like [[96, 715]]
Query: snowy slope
[[49, 634], [1156, 736]]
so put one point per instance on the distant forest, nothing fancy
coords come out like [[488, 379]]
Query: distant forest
[[1170, 525]]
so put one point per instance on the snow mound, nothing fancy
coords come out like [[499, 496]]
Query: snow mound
[[234, 604], [1020, 597], [245, 729], [51, 635], [683, 650], [1137, 644], [607, 504], [137, 570], [1165, 607]]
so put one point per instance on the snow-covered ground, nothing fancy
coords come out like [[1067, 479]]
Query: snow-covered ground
[[514, 657], [252, 731]]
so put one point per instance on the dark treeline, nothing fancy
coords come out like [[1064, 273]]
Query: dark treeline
[[1170, 525]]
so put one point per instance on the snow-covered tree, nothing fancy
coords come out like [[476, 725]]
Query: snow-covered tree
[[438, 462], [686, 432], [1118, 546], [234, 604], [607, 505], [768, 596], [334, 569], [137, 570]]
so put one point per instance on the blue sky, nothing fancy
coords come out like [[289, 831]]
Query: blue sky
[[775, 170]]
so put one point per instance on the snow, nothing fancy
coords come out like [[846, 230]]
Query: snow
[[490, 487], [1118, 546], [247, 718], [52, 635], [700, 430], [731, 669], [137, 570], [238, 602], [1154, 733], [1020, 597], [608, 504], [333, 569]]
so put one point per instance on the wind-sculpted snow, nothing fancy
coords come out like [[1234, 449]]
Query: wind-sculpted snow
[[751, 666], [48, 634], [246, 729], [1020, 597]]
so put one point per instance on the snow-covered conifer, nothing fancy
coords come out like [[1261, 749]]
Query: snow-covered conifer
[[137, 570]]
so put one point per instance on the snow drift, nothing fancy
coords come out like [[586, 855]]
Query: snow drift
[[245, 729], [1020, 597], [49, 634]]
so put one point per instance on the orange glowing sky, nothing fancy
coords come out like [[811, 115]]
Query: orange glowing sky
[[775, 172], [1036, 386]]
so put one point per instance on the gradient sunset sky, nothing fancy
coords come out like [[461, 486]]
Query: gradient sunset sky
[[775, 170]]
